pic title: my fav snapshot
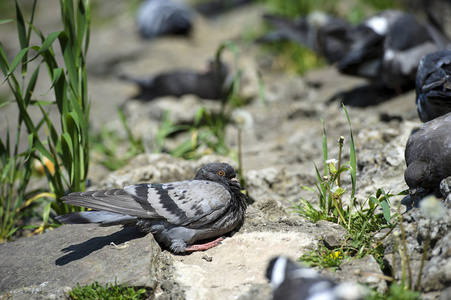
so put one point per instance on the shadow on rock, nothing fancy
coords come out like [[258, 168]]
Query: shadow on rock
[[368, 95], [79, 251]]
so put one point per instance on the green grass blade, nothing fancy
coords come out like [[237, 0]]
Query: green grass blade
[[353, 160], [17, 60], [5, 21], [4, 65], [325, 154], [48, 43], [21, 29], [31, 85]]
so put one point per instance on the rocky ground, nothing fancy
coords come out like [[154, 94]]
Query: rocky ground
[[278, 155]]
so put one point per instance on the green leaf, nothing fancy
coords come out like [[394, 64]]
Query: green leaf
[[325, 154], [21, 27], [307, 188], [31, 85], [340, 191], [5, 21], [46, 212], [47, 44], [353, 162], [17, 60]]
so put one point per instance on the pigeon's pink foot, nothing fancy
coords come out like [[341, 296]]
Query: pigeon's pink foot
[[206, 246]]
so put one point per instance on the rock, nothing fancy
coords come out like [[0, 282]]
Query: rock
[[365, 271], [437, 272], [436, 275], [48, 264], [332, 235], [445, 187], [279, 154]]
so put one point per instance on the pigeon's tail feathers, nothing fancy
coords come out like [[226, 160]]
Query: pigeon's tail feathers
[[115, 201], [148, 82], [102, 217]]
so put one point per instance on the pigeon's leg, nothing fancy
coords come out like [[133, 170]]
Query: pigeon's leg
[[206, 246]]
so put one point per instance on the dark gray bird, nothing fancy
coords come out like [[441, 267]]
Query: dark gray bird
[[206, 85], [388, 47], [364, 58], [405, 43], [291, 281], [178, 214], [326, 35], [428, 155], [433, 85], [214, 8], [163, 17]]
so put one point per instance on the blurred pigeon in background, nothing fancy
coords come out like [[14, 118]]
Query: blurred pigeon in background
[[364, 58], [406, 42], [214, 8], [163, 17], [428, 155], [290, 281], [206, 85], [326, 35], [388, 48], [178, 214], [433, 85]]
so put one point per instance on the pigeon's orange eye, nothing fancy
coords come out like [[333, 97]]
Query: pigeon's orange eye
[[221, 173]]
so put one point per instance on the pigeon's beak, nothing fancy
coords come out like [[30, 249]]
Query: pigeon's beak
[[412, 193], [236, 183]]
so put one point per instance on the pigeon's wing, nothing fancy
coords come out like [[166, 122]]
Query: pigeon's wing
[[183, 202], [286, 29], [115, 201]]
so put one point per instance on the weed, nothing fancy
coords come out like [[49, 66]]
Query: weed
[[110, 291], [323, 258], [360, 221], [395, 292]]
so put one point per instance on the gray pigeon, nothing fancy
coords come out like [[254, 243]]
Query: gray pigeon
[[291, 281], [433, 85], [208, 84], [326, 35], [178, 214], [163, 17], [428, 155], [388, 47], [406, 42], [364, 58]]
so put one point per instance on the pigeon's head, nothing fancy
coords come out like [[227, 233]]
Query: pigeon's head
[[418, 175], [218, 172]]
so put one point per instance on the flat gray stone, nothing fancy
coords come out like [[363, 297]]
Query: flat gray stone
[[71, 254]]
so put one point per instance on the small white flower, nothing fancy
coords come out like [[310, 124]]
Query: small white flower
[[242, 119], [331, 161], [432, 208], [396, 233]]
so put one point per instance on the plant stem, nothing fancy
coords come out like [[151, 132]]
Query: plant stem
[[423, 257], [406, 254], [336, 205], [340, 147], [240, 161]]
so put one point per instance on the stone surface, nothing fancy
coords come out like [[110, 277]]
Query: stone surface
[[279, 155], [365, 271], [46, 264]]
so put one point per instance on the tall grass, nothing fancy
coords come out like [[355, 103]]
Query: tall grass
[[67, 151]]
